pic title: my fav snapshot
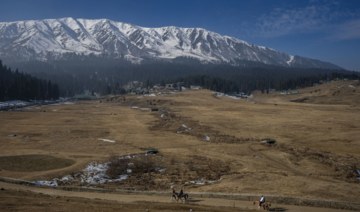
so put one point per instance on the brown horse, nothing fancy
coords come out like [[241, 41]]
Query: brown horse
[[265, 205]]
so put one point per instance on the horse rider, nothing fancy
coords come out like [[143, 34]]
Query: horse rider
[[181, 193], [174, 193], [262, 200]]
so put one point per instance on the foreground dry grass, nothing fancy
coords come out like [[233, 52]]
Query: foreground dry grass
[[318, 144], [316, 152]]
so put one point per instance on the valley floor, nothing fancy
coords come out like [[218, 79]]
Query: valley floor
[[206, 144]]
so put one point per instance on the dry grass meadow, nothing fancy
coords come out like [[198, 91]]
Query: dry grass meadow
[[200, 136]]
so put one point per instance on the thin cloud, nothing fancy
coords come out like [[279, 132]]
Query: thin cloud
[[317, 16], [349, 30]]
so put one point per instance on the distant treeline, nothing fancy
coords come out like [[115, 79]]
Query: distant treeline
[[249, 84], [104, 75], [21, 86]]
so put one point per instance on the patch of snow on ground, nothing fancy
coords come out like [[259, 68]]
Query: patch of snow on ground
[[206, 138], [183, 128], [217, 94], [13, 104], [49, 183], [236, 97], [68, 103], [151, 95], [67, 178], [203, 181], [106, 140], [94, 173]]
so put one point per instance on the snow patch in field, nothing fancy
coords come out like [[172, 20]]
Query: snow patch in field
[[235, 96], [150, 95], [206, 138], [183, 128], [203, 181], [68, 103], [13, 104], [49, 183], [106, 140], [93, 174]]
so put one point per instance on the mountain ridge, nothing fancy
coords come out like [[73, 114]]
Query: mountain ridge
[[53, 38]]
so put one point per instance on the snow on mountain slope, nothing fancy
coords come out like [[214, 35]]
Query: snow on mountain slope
[[53, 37]]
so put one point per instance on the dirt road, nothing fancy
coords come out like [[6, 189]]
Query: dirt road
[[158, 198]]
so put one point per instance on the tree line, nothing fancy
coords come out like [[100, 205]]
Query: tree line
[[21, 86], [263, 82], [104, 75]]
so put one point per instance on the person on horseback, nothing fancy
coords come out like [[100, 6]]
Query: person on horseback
[[174, 194], [181, 193], [262, 200]]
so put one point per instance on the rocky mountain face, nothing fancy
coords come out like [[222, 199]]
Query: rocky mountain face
[[53, 38]]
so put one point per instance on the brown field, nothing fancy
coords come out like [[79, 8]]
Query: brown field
[[199, 136]]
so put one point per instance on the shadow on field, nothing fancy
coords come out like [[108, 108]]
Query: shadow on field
[[193, 200], [278, 209]]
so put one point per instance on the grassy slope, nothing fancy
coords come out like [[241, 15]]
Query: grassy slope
[[317, 143]]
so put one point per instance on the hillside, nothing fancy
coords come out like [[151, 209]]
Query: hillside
[[338, 92]]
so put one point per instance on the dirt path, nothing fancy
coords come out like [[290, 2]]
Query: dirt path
[[158, 198]]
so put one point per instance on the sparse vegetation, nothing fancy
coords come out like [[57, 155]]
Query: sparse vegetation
[[136, 166], [313, 157], [117, 166]]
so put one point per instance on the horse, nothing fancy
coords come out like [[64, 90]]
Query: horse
[[174, 195], [265, 205], [179, 196], [183, 197]]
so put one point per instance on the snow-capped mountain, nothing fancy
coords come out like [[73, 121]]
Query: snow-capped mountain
[[52, 38]]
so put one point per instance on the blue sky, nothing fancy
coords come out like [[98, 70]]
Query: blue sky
[[328, 30]]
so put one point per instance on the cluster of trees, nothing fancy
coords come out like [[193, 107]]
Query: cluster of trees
[[104, 75], [264, 79], [16, 85]]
